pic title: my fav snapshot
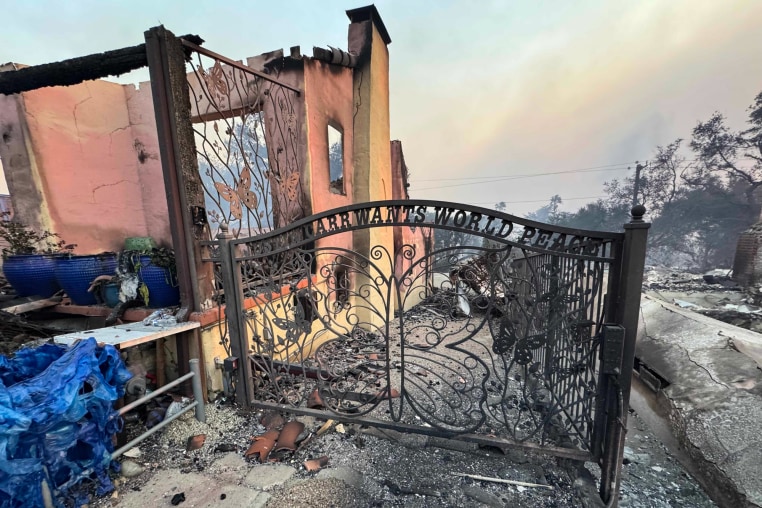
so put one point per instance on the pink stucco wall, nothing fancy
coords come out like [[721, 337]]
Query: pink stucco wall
[[145, 153], [328, 94], [98, 170], [329, 98]]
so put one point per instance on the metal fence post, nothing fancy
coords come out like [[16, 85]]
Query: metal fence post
[[627, 314], [198, 390], [231, 283]]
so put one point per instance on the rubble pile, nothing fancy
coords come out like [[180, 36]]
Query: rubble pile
[[15, 332], [742, 316], [712, 294], [658, 278]]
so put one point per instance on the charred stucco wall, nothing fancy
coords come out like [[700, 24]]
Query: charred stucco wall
[[747, 265], [399, 171], [287, 142], [79, 167], [328, 92], [20, 167], [418, 239]]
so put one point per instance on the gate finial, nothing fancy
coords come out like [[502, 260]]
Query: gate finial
[[224, 231], [637, 213]]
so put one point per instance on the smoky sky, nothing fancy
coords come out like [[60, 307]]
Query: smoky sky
[[494, 89]]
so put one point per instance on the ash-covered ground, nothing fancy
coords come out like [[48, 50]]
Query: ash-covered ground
[[373, 467]]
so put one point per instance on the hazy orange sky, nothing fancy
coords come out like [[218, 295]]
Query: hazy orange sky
[[478, 89]]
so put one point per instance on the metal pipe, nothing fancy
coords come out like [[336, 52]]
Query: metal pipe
[[155, 393], [237, 65], [198, 392], [226, 384], [152, 430]]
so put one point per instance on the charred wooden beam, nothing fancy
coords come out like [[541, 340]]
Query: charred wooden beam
[[79, 69]]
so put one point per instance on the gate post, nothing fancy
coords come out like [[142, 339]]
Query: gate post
[[166, 64], [231, 283], [627, 313]]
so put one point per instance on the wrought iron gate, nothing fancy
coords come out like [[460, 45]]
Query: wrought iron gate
[[445, 319]]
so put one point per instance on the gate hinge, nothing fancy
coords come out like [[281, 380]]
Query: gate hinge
[[613, 346]]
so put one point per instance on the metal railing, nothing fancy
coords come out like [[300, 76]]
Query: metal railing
[[198, 404]]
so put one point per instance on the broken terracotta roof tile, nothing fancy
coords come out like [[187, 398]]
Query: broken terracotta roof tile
[[195, 442], [271, 435], [317, 464], [315, 401], [262, 445], [287, 439], [388, 393]]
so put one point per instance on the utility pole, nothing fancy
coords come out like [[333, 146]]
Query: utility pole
[[636, 187]]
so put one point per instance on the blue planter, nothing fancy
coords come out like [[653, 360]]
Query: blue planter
[[111, 294], [75, 273], [31, 274], [163, 290]]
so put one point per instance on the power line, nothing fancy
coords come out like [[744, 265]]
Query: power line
[[517, 177], [611, 167], [510, 202], [491, 179]]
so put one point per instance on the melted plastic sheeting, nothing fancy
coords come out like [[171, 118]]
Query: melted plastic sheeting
[[57, 421]]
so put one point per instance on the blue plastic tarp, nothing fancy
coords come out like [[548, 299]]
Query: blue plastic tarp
[[57, 421]]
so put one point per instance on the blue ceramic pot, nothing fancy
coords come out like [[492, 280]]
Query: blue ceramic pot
[[163, 289], [31, 274], [75, 273], [111, 294]]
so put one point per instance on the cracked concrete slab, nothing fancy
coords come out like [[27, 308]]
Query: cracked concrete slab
[[266, 476], [230, 468], [713, 397], [198, 490]]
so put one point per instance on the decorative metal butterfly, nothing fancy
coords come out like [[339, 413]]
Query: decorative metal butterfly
[[288, 185], [215, 81], [241, 194]]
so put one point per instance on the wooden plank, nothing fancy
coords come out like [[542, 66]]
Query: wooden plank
[[128, 335], [83, 310], [19, 307]]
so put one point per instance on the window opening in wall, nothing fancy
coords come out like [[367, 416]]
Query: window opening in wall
[[336, 159]]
